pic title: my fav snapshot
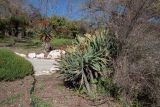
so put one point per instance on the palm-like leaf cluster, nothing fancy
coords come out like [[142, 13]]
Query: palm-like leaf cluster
[[45, 34], [88, 62]]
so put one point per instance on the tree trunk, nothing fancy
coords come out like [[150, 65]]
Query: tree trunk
[[46, 46]]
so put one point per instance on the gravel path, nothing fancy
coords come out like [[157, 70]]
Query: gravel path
[[43, 66]]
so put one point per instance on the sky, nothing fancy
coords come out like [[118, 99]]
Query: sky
[[71, 10]]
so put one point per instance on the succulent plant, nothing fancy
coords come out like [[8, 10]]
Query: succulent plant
[[86, 61]]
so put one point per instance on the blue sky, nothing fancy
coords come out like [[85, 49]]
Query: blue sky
[[61, 8]]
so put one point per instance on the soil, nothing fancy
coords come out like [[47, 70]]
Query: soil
[[16, 93], [49, 89]]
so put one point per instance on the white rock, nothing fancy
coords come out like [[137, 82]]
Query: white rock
[[22, 55], [41, 55], [32, 55], [54, 54], [63, 52]]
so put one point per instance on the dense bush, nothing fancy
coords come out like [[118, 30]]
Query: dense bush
[[87, 64], [12, 66], [61, 27], [2, 28]]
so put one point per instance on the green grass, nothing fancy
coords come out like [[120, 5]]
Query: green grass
[[12, 66], [10, 99], [36, 43], [38, 102], [56, 42], [24, 43], [40, 85]]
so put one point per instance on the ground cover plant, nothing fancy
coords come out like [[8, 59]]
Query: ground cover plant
[[38, 102], [13, 66], [34, 42]]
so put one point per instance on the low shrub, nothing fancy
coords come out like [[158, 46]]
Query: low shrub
[[5, 40], [1, 36], [35, 43], [13, 66], [87, 64]]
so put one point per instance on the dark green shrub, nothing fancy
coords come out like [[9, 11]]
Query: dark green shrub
[[2, 28], [63, 28], [34, 43], [12, 66], [87, 63]]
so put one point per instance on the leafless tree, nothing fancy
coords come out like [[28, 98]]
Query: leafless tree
[[137, 24], [8, 7]]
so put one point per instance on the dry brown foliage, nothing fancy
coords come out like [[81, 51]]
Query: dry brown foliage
[[137, 67], [138, 64]]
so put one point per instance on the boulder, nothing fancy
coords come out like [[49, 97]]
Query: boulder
[[40, 56], [32, 55], [54, 54]]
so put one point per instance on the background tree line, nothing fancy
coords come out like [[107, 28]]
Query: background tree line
[[19, 19]]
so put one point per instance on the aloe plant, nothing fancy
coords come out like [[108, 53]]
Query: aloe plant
[[88, 62]]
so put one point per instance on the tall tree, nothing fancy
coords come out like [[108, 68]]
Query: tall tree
[[124, 15]]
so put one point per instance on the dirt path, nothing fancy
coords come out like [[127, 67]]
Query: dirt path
[[43, 66], [51, 90]]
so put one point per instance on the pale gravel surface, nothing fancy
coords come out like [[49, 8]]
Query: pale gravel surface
[[43, 66]]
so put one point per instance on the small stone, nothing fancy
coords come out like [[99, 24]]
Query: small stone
[[22, 55], [32, 55]]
